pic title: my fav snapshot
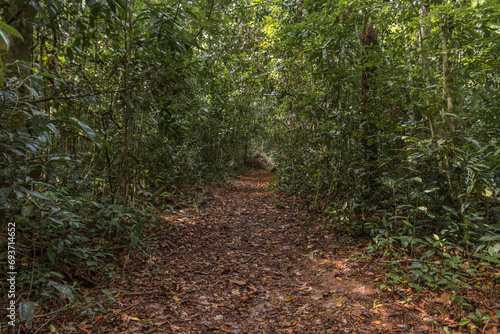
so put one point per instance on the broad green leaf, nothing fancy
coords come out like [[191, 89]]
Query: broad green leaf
[[47, 75], [463, 322], [488, 258], [1, 72], [4, 26], [493, 250], [59, 159], [487, 192], [4, 194], [416, 265], [490, 238], [54, 130], [36, 194], [449, 209], [5, 38], [54, 273], [88, 130], [52, 256]]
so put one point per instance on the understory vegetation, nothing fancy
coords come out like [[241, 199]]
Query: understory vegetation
[[384, 116], [389, 124]]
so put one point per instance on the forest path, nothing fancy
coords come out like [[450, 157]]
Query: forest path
[[248, 262]]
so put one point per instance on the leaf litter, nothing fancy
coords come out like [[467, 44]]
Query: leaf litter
[[251, 261]]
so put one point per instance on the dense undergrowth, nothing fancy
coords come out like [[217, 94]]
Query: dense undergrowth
[[397, 140], [107, 116]]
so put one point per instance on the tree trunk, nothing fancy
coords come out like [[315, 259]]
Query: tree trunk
[[369, 41], [448, 101], [424, 63], [454, 182]]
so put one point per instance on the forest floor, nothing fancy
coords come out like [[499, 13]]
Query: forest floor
[[251, 261]]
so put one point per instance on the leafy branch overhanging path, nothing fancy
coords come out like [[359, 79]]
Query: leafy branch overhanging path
[[248, 262]]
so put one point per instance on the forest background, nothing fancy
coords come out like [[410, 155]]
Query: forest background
[[383, 115]]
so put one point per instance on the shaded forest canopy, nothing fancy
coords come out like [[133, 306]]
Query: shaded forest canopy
[[382, 115]]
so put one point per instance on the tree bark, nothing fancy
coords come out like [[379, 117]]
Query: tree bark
[[369, 41], [424, 62], [454, 182], [448, 101]]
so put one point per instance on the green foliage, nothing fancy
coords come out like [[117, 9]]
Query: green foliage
[[386, 134], [383, 115], [124, 102]]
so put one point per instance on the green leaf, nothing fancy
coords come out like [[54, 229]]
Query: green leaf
[[493, 250], [416, 265], [487, 192], [36, 194], [449, 209], [5, 38], [490, 238], [88, 130], [56, 274], [69, 54], [53, 128], [59, 159], [1, 72], [103, 142], [4, 194], [47, 75], [52, 256], [488, 258], [10, 30]]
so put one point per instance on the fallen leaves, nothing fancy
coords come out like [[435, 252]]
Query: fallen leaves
[[253, 267], [444, 299], [237, 282]]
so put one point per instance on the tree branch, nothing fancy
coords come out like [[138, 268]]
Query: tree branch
[[208, 18], [175, 17]]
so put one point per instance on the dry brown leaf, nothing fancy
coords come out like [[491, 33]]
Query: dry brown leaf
[[444, 299], [492, 330], [125, 319], [303, 287], [238, 282], [287, 324]]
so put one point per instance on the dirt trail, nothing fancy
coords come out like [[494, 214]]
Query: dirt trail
[[247, 262]]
